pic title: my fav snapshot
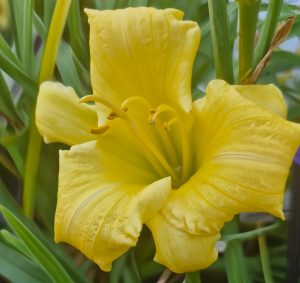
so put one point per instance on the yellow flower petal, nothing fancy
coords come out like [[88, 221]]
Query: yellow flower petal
[[143, 52], [243, 155], [61, 118], [179, 250], [266, 96], [103, 202]]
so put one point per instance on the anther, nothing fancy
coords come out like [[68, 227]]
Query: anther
[[151, 117], [100, 130], [112, 115]]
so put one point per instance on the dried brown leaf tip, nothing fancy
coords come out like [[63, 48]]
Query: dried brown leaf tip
[[282, 32]]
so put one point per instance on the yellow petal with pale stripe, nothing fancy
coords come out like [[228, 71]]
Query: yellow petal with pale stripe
[[179, 250], [61, 118], [143, 52], [103, 202]]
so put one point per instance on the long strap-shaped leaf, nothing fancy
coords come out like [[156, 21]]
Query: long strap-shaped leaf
[[39, 252]]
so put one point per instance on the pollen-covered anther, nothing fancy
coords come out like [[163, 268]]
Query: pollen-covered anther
[[112, 115], [100, 129], [166, 125]]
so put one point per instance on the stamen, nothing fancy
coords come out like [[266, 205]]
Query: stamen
[[100, 129], [186, 158], [112, 115], [171, 152], [158, 161], [163, 108], [97, 98], [132, 99]]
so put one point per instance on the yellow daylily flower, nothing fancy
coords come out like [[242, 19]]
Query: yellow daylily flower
[[144, 153]]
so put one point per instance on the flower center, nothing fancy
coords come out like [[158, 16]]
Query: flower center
[[160, 132]]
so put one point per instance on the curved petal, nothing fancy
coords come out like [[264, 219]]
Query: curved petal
[[266, 96], [103, 202], [143, 52], [243, 157], [179, 250], [61, 118]]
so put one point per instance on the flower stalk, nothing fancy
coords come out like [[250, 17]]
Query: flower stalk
[[265, 261], [192, 277], [220, 39], [46, 71], [248, 15]]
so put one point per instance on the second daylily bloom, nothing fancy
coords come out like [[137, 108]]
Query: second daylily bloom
[[143, 153]]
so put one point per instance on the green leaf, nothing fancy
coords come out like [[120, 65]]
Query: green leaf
[[7, 201], [220, 38], [8, 163], [7, 106], [131, 273], [13, 67], [117, 269], [282, 60], [22, 15], [67, 68], [14, 242], [192, 277], [235, 263], [78, 40], [19, 269], [251, 234], [39, 252], [48, 12]]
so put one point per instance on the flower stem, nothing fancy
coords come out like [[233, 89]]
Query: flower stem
[[268, 30], [248, 15], [192, 277], [220, 39], [235, 265], [265, 262], [46, 71]]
